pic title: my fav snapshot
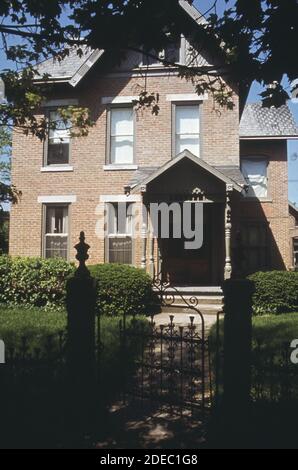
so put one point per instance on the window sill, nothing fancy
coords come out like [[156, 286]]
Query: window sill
[[53, 168], [120, 167]]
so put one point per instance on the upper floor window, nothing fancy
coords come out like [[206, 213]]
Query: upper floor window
[[58, 142], [121, 138], [56, 231], [187, 129], [255, 174], [170, 54]]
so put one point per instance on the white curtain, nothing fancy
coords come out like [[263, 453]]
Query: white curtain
[[120, 218], [255, 173], [57, 220], [188, 129], [122, 135], [61, 134]]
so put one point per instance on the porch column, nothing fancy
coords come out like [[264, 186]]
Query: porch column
[[144, 230], [159, 262], [151, 255], [228, 231]]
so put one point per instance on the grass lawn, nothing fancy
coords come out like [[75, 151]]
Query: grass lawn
[[37, 393], [272, 331], [272, 419], [273, 375]]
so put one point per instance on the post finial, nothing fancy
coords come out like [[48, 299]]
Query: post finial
[[82, 256]]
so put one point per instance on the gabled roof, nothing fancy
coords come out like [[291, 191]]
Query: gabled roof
[[71, 69], [261, 122], [152, 173], [192, 12]]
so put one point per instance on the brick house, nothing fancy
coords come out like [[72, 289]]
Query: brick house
[[233, 162]]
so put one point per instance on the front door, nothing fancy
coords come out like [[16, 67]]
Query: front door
[[189, 267]]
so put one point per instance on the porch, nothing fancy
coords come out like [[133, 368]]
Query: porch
[[187, 182]]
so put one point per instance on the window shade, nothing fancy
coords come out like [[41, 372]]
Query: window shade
[[188, 129], [122, 136], [61, 134], [255, 174]]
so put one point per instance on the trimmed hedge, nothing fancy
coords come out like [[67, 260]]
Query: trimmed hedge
[[33, 282], [123, 289], [37, 282], [275, 292]]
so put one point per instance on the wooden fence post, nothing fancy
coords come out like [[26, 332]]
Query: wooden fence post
[[81, 363]]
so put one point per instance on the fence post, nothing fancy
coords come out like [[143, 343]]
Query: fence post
[[237, 342], [232, 424], [81, 362]]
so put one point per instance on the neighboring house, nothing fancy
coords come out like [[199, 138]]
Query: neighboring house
[[188, 152]]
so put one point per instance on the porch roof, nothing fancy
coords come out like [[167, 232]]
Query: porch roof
[[227, 174]]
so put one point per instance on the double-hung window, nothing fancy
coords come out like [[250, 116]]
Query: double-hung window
[[119, 239], [255, 173], [121, 145], [187, 129], [56, 231], [58, 142], [255, 246]]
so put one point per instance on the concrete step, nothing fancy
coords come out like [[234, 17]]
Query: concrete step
[[203, 308], [196, 291], [202, 299]]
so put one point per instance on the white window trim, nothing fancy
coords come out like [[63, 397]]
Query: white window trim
[[113, 167], [53, 168], [120, 198], [68, 199], [60, 103], [118, 99], [187, 97]]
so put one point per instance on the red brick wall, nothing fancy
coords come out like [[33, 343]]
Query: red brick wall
[[220, 145], [276, 208]]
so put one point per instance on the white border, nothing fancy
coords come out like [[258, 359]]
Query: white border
[[56, 199]]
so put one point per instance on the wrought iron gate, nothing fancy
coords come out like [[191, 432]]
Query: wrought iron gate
[[172, 365]]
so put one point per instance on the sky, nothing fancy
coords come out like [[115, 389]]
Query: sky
[[203, 6]]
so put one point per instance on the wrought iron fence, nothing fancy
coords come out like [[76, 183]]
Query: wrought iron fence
[[274, 376], [36, 356]]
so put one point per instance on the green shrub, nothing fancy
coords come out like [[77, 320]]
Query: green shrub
[[123, 289], [275, 292], [33, 282]]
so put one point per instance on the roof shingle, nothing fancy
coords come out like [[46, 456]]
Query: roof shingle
[[65, 68], [258, 121]]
